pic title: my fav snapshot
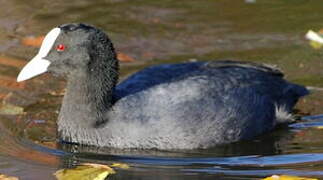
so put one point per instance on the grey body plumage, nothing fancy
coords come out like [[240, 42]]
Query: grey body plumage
[[173, 106]]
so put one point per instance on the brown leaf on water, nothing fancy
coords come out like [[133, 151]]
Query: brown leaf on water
[[5, 177], [52, 145], [3, 95], [124, 58], [148, 54], [11, 83], [32, 41], [9, 61], [156, 20]]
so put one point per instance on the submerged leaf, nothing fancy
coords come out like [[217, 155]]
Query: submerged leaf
[[85, 171], [10, 61], [124, 57], [287, 177], [33, 41], [9, 109], [5, 177]]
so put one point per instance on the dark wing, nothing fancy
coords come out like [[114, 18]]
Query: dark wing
[[271, 69], [268, 79], [265, 80], [153, 76]]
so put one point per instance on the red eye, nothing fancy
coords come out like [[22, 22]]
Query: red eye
[[60, 47]]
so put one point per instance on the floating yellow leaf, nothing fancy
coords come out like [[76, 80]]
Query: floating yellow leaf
[[316, 45], [286, 177], [316, 39], [5, 177], [120, 165], [85, 171]]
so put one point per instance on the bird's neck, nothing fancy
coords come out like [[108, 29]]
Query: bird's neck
[[86, 103]]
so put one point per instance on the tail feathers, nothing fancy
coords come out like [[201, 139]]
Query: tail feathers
[[291, 95], [286, 103], [298, 90], [283, 115]]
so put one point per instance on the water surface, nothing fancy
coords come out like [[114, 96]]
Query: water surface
[[154, 32]]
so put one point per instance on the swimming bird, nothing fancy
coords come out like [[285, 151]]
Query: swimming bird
[[170, 106]]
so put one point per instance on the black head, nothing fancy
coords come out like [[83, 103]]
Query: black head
[[71, 48]]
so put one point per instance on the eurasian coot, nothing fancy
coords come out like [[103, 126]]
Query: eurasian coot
[[172, 106]]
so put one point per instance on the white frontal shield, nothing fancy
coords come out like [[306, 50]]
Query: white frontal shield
[[38, 64]]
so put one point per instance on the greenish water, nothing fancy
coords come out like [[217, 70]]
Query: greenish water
[[154, 32]]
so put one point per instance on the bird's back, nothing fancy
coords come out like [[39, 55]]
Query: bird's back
[[200, 104]]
